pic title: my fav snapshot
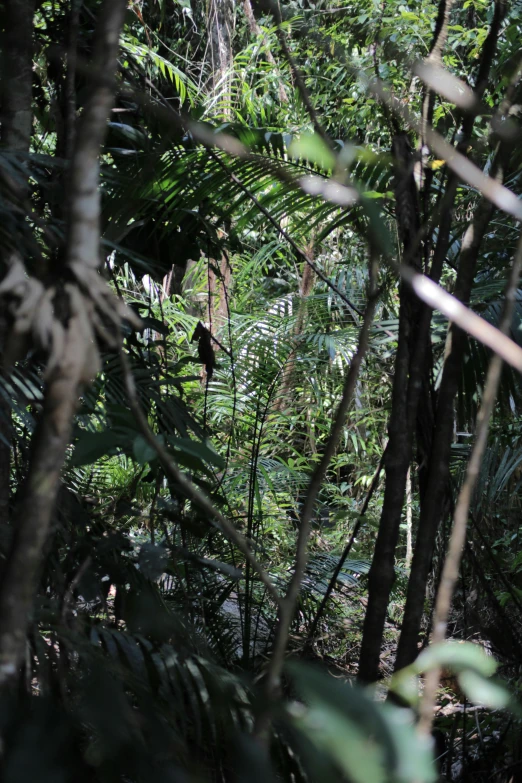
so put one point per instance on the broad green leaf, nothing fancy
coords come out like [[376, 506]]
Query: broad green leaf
[[197, 449], [414, 751], [143, 451], [91, 446], [356, 754], [456, 656], [313, 148], [352, 706], [480, 690]]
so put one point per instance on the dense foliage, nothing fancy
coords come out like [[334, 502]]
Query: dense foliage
[[238, 447]]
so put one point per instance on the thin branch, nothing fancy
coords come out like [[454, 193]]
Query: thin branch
[[288, 604], [439, 299], [450, 571], [187, 486], [435, 58]]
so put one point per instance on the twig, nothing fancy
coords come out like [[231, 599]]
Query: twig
[[288, 603], [439, 299], [450, 571], [187, 486], [435, 58]]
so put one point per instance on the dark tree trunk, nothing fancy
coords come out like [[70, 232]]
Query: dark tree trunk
[[435, 485], [73, 363], [434, 496], [407, 383], [16, 118]]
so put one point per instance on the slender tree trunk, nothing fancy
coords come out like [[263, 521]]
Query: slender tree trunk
[[16, 118], [409, 518], [220, 24], [405, 396], [71, 359], [436, 483], [305, 289], [438, 469]]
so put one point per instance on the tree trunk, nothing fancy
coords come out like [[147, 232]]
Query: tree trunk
[[71, 358], [433, 501], [16, 118], [220, 25], [436, 485], [406, 388], [305, 289]]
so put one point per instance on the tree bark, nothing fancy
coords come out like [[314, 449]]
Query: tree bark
[[436, 482], [70, 363], [405, 396], [220, 24], [16, 118], [438, 469]]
